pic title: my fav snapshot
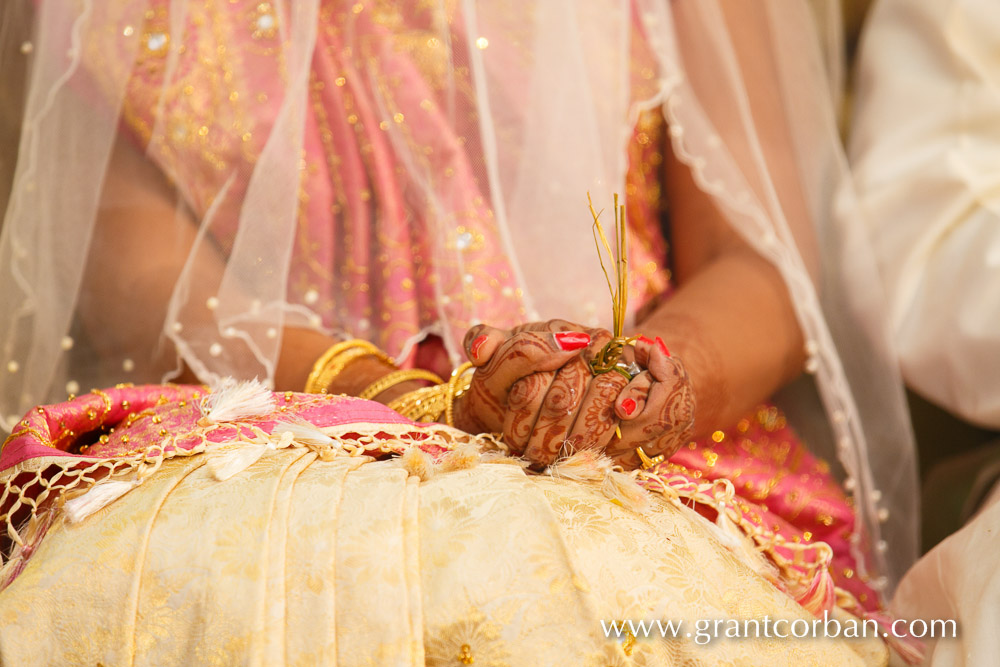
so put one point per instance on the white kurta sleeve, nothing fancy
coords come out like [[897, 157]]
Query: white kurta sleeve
[[925, 148]]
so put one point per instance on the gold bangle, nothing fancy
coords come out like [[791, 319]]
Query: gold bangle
[[422, 405], [432, 403], [337, 366], [336, 358], [397, 377], [458, 384], [312, 382]]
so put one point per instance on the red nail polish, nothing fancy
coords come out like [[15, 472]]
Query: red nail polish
[[572, 340], [628, 406], [663, 346], [476, 344], [643, 339]]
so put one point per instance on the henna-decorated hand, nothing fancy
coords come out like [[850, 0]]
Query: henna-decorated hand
[[656, 407], [558, 410], [504, 360]]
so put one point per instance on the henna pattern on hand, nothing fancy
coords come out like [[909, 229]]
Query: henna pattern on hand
[[542, 411], [596, 421], [600, 415], [668, 425], [554, 326], [480, 407], [523, 403], [558, 412], [676, 420], [486, 403]]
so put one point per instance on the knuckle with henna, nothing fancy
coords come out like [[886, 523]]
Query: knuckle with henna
[[563, 398], [558, 402], [550, 447], [524, 392]]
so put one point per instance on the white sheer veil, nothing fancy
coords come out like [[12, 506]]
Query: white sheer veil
[[543, 96]]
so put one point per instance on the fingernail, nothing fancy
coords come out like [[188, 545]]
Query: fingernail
[[628, 406], [476, 344], [643, 339], [663, 346], [572, 340]]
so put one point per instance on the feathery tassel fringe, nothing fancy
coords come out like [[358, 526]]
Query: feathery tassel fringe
[[223, 465], [727, 532], [623, 489], [418, 463], [309, 436], [503, 459], [585, 465], [97, 498], [462, 457], [304, 433], [231, 400], [819, 595]]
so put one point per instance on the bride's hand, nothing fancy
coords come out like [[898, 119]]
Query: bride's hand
[[506, 360], [551, 412], [545, 407], [656, 408], [540, 406]]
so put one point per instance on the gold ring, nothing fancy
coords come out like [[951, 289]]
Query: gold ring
[[647, 462]]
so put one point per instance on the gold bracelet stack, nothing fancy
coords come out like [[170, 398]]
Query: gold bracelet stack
[[432, 403], [421, 405], [397, 377], [336, 359], [458, 384]]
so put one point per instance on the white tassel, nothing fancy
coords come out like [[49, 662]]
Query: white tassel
[[462, 457], [418, 463], [231, 400], [585, 465], [224, 465], [503, 459], [624, 490], [724, 530], [305, 434], [98, 497]]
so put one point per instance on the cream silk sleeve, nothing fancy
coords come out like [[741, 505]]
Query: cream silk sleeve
[[925, 146]]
